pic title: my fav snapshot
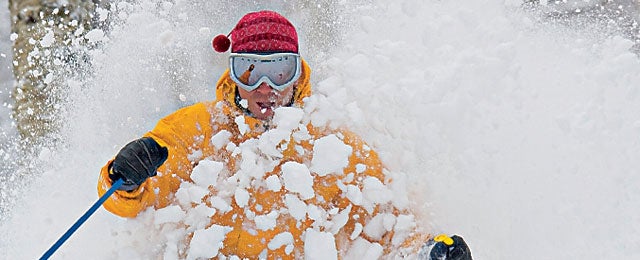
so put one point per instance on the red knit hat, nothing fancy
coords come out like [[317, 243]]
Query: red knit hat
[[263, 31]]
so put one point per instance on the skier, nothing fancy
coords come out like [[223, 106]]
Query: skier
[[266, 74]]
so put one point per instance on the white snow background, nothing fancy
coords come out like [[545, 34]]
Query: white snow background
[[518, 134]]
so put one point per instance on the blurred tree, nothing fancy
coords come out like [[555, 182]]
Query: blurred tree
[[621, 16], [48, 50]]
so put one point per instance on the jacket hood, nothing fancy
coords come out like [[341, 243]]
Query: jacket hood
[[226, 88]]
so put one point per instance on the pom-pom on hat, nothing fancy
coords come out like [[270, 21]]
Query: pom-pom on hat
[[259, 32], [221, 43]]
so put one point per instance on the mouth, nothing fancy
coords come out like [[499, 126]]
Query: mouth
[[265, 106]]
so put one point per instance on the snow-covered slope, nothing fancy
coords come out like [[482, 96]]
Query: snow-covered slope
[[518, 134]]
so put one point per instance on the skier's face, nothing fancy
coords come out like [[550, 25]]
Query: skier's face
[[263, 100]]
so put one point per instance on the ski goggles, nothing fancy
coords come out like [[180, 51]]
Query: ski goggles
[[279, 70]]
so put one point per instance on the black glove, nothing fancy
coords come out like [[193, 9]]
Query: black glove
[[137, 161], [443, 247]]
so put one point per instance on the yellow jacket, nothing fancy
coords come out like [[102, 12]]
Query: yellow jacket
[[187, 134]]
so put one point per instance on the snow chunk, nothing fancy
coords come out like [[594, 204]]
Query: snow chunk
[[252, 164], [102, 14], [183, 196], [203, 210], [242, 126], [354, 194], [199, 217], [398, 188], [340, 220], [319, 245], [282, 239], [287, 118], [195, 156], [316, 213], [297, 208], [197, 193], [168, 214], [242, 197], [220, 139], [301, 134], [48, 79], [231, 147], [363, 249], [189, 193], [206, 243], [388, 221], [375, 228], [356, 231], [244, 103], [266, 222], [95, 35], [405, 225], [269, 141], [379, 225], [375, 191], [206, 173], [273, 183], [298, 179], [220, 204], [47, 40], [330, 155]]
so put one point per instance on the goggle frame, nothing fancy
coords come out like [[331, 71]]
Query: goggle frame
[[264, 78]]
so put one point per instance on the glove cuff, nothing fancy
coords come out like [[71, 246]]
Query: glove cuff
[[444, 247]]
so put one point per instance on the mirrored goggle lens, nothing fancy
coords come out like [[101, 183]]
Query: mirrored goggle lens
[[281, 70]]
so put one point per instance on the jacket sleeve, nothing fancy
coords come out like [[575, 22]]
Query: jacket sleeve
[[183, 133]]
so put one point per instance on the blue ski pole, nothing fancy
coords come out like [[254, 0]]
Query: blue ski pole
[[82, 219]]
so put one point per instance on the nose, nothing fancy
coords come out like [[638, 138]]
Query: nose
[[264, 88]]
